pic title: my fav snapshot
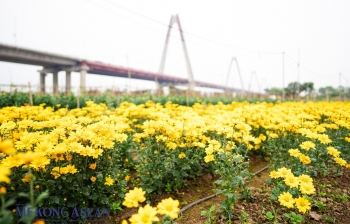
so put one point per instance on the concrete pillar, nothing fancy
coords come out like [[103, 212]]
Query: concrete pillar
[[159, 88], [83, 73], [68, 82], [55, 82], [42, 82]]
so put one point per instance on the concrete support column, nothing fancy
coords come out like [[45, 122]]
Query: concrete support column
[[83, 72], [42, 82], [68, 82], [55, 82], [158, 87], [82, 80]]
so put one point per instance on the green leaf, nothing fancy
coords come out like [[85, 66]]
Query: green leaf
[[219, 182], [212, 208], [41, 197], [22, 194], [71, 203], [54, 199], [149, 190], [9, 203], [229, 195], [6, 218]]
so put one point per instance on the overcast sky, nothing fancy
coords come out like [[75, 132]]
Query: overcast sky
[[132, 32]]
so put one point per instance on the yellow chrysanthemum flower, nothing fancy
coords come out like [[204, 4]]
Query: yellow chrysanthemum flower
[[71, 169], [7, 147], [26, 178], [145, 215], [182, 155], [307, 188], [294, 152], [286, 199], [304, 159], [307, 145], [324, 139], [109, 181], [283, 172], [39, 162], [305, 179], [169, 207], [2, 190], [333, 151], [209, 158], [291, 181], [133, 197], [340, 161], [92, 166], [4, 174], [275, 174], [302, 204]]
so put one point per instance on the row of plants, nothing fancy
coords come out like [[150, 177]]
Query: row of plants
[[89, 158], [70, 101]]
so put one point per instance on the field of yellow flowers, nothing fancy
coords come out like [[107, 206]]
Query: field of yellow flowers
[[112, 159]]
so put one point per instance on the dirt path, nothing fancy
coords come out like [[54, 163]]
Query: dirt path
[[333, 192]]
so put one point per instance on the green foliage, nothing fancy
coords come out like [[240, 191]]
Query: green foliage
[[329, 219], [269, 216], [70, 101], [233, 173], [210, 215], [115, 207], [244, 216], [14, 99], [75, 190], [320, 205], [31, 202], [160, 168], [5, 213], [294, 218]]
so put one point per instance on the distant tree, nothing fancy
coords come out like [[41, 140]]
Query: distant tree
[[292, 89], [328, 90], [307, 87], [347, 91], [274, 91]]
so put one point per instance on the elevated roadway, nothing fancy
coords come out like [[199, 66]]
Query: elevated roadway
[[54, 63]]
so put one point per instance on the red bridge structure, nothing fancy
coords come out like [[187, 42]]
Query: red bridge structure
[[54, 63]]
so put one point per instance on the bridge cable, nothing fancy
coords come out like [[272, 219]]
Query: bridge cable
[[194, 35]]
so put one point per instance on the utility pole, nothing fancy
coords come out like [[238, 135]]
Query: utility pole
[[282, 76], [129, 75], [298, 73], [340, 89]]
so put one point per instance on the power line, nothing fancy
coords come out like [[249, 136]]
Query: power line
[[161, 32], [307, 69], [345, 79], [194, 35], [146, 17], [114, 12]]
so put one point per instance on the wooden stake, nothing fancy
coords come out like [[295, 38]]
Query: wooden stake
[[30, 95]]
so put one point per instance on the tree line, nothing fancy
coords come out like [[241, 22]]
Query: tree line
[[296, 90]]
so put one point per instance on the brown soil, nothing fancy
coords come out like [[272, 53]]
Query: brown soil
[[334, 192]]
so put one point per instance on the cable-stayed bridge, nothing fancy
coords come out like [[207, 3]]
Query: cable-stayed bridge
[[54, 63]]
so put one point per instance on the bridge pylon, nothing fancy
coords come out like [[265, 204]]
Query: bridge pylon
[[175, 19], [239, 73]]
